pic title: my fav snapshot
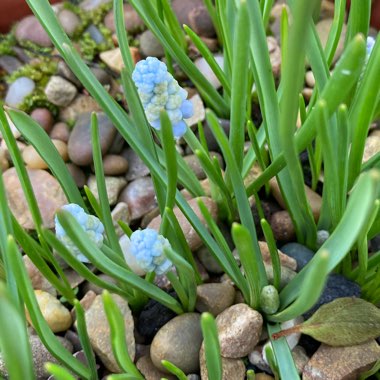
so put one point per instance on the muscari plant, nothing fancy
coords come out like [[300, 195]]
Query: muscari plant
[[334, 127]]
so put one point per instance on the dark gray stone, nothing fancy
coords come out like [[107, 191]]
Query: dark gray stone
[[152, 318], [299, 252], [337, 286]]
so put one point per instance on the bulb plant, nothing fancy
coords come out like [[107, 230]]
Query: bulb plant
[[334, 127]]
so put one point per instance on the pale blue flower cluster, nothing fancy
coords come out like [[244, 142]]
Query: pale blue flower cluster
[[158, 91], [89, 223], [147, 246]]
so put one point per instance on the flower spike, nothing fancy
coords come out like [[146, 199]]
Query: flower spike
[[159, 91]]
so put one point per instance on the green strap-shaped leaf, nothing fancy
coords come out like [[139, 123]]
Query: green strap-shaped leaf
[[14, 342]]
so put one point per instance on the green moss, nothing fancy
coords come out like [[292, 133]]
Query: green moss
[[38, 100], [34, 50], [7, 42], [89, 48], [39, 70]]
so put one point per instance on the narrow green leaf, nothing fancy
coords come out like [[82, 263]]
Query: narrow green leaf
[[211, 346], [14, 340], [186, 276], [210, 59], [47, 337], [240, 66], [285, 363], [358, 21], [336, 92], [243, 243], [310, 292], [174, 370], [59, 372], [85, 340], [273, 251], [362, 111], [101, 186], [239, 191], [118, 342]]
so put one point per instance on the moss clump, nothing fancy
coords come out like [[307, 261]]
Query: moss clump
[[89, 48], [38, 100], [7, 42], [39, 71]]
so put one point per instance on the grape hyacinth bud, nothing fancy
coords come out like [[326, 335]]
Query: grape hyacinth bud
[[146, 249], [159, 91], [89, 223]]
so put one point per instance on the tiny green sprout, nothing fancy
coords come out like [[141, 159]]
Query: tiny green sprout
[[269, 299]]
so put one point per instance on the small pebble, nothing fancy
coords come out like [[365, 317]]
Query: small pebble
[[95, 34], [185, 331], [322, 236], [298, 252], [140, 197], [214, 297], [150, 46], [56, 315], [239, 329], [206, 70], [114, 185], [309, 79], [60, 131], [69, 21], [114, 165], [77, 173], [59, 91], [30, 29], [18, 90], [43, 117]]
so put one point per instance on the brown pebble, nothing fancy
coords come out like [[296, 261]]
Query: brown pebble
[[282, 226], [34, 161], [43, 117], [114, 164], [60, 131], [77, 174]]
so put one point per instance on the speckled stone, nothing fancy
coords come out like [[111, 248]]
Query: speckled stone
[[113, 186], [140, 197], [341, 363], [239, 329], [49, 194], [214, 297], [59, 91], [99, 331], [179, 342]]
